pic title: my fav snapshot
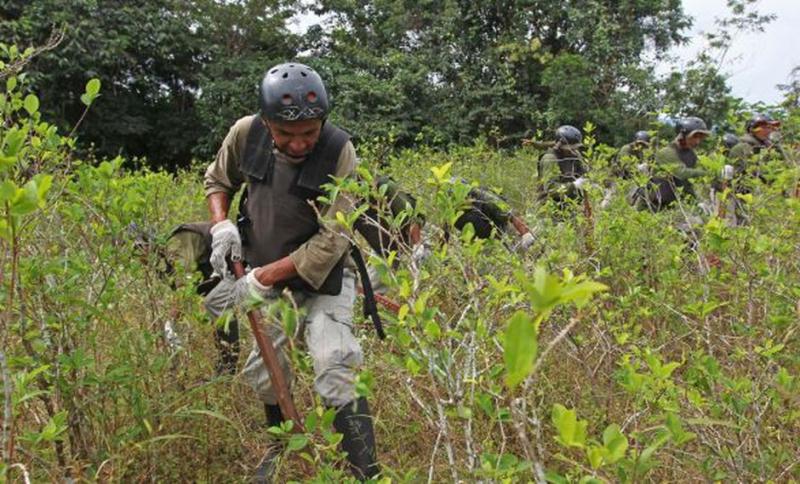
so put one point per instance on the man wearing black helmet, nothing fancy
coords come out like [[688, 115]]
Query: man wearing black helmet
[[756, 143], [561, 168], [729, 140], [631, 156], [676, 165], [284, 155]]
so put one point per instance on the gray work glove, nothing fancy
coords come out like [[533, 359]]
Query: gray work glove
[[171, 336], [580, 183], [727, 172], [526, 242], [224, 240], [248, 290], [419, 253]]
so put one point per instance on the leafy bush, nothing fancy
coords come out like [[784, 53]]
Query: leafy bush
[[619, 348]]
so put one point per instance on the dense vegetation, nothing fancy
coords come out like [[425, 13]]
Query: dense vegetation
[[437, 73], [624, 346], [620, 348]]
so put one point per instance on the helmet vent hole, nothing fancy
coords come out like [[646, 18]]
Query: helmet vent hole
[[304, 74], [286, 100], [285, 75], [311, 97], [291, 65], [273, 71]]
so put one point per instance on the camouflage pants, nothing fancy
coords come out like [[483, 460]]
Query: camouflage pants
[[328, 332]]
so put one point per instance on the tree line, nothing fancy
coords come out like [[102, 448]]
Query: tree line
[[177, 73]]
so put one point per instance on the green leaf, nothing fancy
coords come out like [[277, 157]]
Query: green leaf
[[342, 220], [412, 366], [571, 431], [403, 312], [648, 452], [332, 438], [519, 348], [5, 230], [432, 330], [440, 172], [675, 427], [328, 417], [43, 183], [595, 455], [544, 293], [31, 104], [26, 200], [13, 141], [92, 90], [7, 161], [486, 403], [555, 478], [93, 87], [582, 292], [297, 442], [312, 420], [8, 190], [54, 428], [615, 443]]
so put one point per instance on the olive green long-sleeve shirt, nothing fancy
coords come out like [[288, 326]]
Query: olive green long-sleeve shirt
[[315, 258], [678, 162], [752, 151]]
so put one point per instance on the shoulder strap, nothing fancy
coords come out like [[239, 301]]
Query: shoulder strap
[[258, 160], [370, 305], [321, 163]]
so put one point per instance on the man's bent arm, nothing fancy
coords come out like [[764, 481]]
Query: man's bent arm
[[519, 225], [218, 206], [275, 272]]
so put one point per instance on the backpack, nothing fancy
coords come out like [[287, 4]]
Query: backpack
[[189, 244]]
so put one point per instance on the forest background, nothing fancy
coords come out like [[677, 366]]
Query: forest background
[[622, 347]]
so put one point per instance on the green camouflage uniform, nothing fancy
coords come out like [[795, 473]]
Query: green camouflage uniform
[[749, 156], [627, 158], [557, 169], [675, 166]]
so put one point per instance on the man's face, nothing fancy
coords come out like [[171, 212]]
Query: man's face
[[694, 140], [762, 131], [295, 138]]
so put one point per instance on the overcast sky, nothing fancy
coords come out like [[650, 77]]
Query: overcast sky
[[755, 62]]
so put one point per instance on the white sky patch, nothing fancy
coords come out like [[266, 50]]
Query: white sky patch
[[756, 62]]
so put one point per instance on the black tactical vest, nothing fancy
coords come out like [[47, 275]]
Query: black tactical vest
[[283, 196]]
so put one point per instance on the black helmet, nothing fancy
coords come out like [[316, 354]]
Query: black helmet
[[758, 119], [568, 135], [730, 140], [642, 137], [691, 125], [293, 92]]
